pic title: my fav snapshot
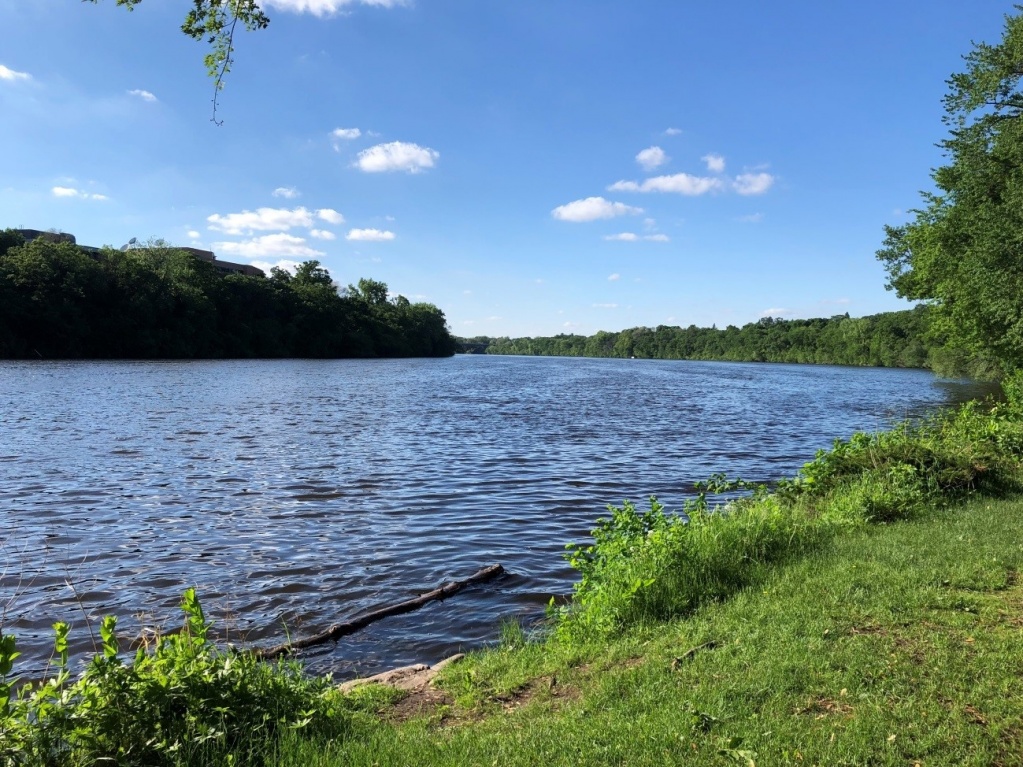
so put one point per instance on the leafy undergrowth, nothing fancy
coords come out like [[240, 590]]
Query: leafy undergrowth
[[901, 644]]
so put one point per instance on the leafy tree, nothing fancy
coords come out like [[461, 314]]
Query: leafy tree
[[215, 22], [964, 250]]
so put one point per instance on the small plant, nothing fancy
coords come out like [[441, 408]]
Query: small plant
[[181, 699]]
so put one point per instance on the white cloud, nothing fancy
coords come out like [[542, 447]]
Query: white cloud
[[633, 237], [614, 277], [652, 157], [287, 192], [12, 76], [369, 235], [680, 183], [752, 218], [775, 312], [144, 95], [70, 192], [326, 7], [592, 209], [269, 245], [260, 220], [341, 135], [715, 162], [322, 234], [396, 156], [673, 132], [193, 235], [330, 215], [570, 325], [286, 264], [753, 183], [605, 306]]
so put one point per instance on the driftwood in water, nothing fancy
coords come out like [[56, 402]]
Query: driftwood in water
[[339, 630]]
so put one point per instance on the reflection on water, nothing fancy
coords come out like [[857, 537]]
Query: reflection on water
[[297, 493]]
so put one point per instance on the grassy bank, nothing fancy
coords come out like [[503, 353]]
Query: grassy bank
[[863, 612], [899, 644]]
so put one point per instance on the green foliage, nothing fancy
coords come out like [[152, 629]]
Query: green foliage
[[893, 339], [182, 699], [648, 566], [58, 301], [964, 250]]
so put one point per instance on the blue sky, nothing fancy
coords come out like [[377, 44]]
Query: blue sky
[[531, 167]]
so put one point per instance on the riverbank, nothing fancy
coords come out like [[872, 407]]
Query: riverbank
[[899, 644]]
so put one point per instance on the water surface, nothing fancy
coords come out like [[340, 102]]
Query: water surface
[[297, 493]]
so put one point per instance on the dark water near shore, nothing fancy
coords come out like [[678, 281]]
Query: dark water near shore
[[298, 493]]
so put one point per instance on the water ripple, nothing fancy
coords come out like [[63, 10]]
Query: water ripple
[[297, 493]]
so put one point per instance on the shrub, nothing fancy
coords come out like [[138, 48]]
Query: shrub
[[179, 700]]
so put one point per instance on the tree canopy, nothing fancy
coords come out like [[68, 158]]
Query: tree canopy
[[58, 300], [963, 251]]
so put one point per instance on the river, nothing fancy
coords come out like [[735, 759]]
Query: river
[[294, 494]]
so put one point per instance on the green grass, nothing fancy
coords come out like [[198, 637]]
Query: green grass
[[898, 644]]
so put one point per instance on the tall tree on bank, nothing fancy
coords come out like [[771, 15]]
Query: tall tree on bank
[[964, 250]]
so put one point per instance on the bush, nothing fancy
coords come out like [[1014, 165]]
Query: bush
[[181, 700]]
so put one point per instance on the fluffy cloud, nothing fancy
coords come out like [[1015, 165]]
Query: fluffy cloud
[[69, 192], [369, 235], [633, 237], [652, 157], [322, 234], [592, 209], [326, 7], [330, 215], [680, 183], [753, 183], [340, 135], [281, 245], [395, 156], [194, 235], [775, 312], [12, 76], [260, 220], [144, 95], [287, 192], [346, 134], [673, 132], [715, 163], [752, 218], [614, 277]]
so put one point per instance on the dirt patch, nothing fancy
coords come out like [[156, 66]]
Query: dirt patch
[[421, 699], [546, 687], [821, 708]]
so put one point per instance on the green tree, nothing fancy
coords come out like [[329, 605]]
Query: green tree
[[964, 249]]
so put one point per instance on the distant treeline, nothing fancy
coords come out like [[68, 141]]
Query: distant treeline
[[60, 301], [892, 339]]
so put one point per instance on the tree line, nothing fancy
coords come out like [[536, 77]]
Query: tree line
[[60, 301], [892, 339]]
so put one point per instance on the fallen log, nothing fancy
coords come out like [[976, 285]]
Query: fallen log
[[339, 630]]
